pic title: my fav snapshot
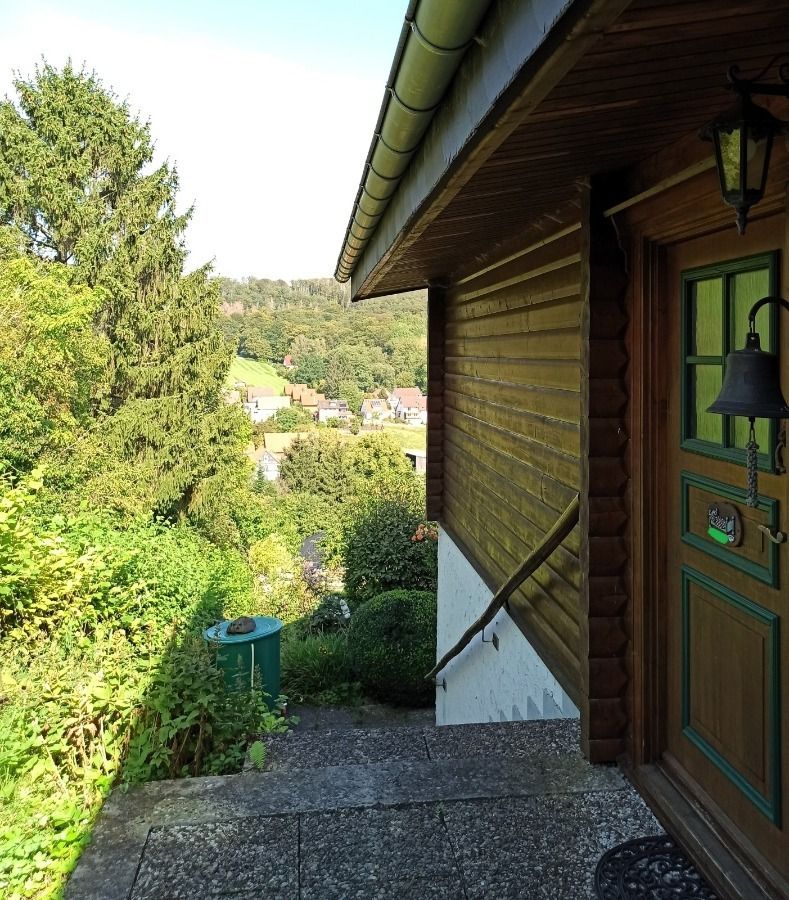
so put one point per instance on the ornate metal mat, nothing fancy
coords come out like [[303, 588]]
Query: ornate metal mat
[[652, 868]]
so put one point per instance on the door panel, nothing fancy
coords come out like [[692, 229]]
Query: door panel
[[724, 581]]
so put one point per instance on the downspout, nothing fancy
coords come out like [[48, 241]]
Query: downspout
[[433, 41]]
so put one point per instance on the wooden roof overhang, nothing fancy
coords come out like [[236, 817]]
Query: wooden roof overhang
[[611, 84]]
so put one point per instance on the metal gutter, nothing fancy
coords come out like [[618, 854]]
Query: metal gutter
[[525, 47], [433, 41]]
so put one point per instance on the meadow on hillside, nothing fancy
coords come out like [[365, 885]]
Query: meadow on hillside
[[254, 373]]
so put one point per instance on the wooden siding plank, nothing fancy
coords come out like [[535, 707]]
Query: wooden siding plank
[[549, 315], [548, 402], [562, 343], [511, 432]]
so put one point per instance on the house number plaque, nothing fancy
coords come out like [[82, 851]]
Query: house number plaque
[[725, 524]]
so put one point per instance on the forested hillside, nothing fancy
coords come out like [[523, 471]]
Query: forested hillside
[[340, 348]]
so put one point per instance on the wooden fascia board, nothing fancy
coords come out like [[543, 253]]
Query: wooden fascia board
[[525, 51]]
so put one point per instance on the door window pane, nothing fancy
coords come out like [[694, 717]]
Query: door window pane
[[745, 288], [703, 387], [716, 303], [742, 428], [706, 318]]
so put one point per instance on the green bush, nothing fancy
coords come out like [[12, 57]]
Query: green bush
[[387, 547], [392, 640], [104, 676], [318, 668], [331, 614]]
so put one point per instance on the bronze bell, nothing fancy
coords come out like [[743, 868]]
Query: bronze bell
[[752, 385]]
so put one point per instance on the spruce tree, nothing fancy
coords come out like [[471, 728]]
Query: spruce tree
[[77, 182]]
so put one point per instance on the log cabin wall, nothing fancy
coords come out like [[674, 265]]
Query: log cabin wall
[[605, 490], [434, 481], [509, 430]]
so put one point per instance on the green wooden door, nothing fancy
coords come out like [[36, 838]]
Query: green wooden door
[[727, 583]]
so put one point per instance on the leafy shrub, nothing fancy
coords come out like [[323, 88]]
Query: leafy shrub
[[203, 730], [270, 557], [392, 640], [289, 418], [315, 464], [383, 551], [103, 672], [318, 668], [331, 614], [289, 600]]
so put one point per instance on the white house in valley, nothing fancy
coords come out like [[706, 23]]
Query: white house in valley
[[333, 409], [409, 405], [259, 409], [375, 410]]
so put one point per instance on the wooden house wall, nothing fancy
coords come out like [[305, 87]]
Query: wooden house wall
[[505, 430]]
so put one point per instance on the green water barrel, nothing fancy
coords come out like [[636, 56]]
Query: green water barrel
[[245, 657]]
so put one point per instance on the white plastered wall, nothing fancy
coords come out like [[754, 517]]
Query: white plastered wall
[[485, 684]]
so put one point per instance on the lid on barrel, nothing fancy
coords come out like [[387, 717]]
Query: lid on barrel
[[245, 628]]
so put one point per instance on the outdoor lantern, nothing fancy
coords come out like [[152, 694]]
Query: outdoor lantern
[[752, 388], [743, 138]]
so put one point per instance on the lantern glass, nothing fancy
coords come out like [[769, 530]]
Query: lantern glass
[[729, 142], [757, 155], [743, 138]]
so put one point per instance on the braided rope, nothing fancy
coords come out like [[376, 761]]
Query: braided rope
[[751, 451]]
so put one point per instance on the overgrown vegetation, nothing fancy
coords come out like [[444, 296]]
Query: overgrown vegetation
[[104, 676], [128, 518]]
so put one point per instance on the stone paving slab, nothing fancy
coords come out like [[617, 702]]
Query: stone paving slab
[[543, 848], [389, 783], [378, 854], [366, 715], [308, 750], [246, 858], [127, 819], [517, 740]]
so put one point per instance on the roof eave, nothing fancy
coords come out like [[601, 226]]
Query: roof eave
[[523, 49]]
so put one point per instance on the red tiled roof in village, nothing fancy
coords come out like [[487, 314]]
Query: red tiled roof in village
[[406, 394], [264, 391]]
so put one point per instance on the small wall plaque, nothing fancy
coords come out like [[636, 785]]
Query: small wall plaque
[[725, 524]]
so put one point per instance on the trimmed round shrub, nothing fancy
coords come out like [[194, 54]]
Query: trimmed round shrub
[[392, 641]]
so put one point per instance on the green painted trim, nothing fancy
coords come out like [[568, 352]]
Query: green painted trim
[[766, 462], [769, 806], [768, 574], [724, 451]]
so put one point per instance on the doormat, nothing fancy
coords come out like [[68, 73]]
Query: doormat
[[652, 868]]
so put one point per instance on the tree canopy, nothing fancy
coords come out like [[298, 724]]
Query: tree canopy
[[78, 188]]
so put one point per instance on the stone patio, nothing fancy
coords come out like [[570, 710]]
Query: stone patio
[[473, 811]]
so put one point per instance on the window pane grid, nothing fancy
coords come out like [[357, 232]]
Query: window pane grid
[[716, 303]]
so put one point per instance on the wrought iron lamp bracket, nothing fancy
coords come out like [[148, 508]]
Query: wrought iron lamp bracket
[[755, 85]]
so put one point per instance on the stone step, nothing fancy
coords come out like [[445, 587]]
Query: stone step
[[299, 750], [346, 777]]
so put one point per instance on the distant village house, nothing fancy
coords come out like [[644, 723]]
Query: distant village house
[[410, 405], [259, 409], [375, 410], [333, 409]]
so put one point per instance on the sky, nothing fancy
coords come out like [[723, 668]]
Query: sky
[[266, 108]]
